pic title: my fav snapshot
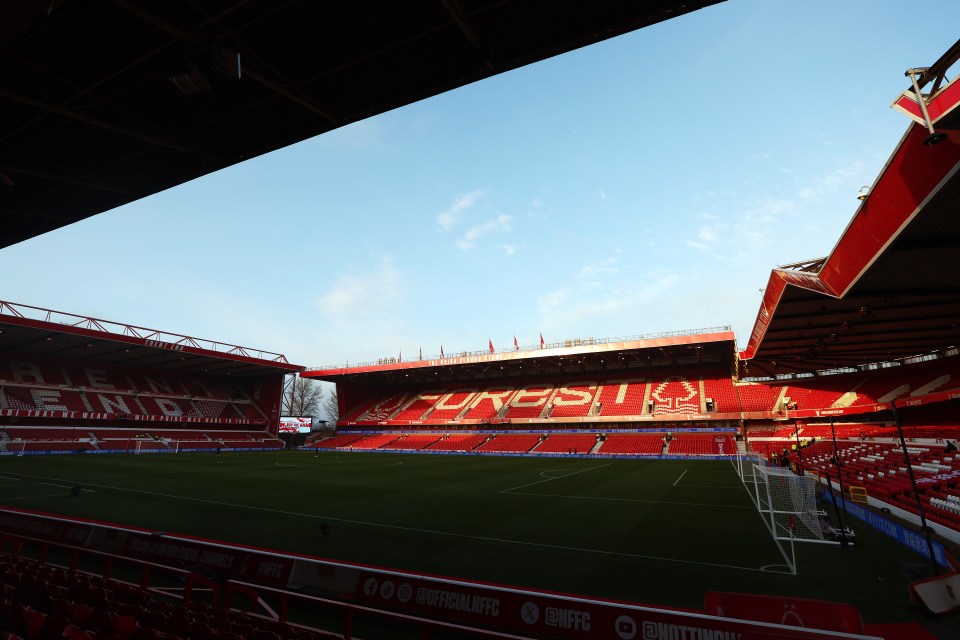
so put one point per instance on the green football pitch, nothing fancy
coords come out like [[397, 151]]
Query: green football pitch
[[658, 532]]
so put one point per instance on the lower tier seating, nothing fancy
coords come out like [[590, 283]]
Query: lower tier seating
[[633, 443], [518, 443], [701, 444], [46, 602], [568, 443], [695, 443]]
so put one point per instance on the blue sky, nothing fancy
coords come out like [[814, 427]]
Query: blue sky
[[644, 184]]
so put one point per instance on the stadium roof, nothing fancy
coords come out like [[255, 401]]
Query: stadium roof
[[713, 345], [890, 289], [32, 332], [107, 102]]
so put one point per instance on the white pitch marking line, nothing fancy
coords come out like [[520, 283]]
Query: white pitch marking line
[[688, 504], [441, 533], [681, 477], [549, 479], [543, 474], [447, 533], [46, 495], [65, 486], [705, 486]]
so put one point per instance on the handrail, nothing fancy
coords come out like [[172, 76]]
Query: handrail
[[118, 328], [228, 587]]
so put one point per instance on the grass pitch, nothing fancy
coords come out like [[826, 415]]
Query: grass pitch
[[659, 532]]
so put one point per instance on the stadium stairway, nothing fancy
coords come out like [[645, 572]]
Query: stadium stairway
[[537, 446]]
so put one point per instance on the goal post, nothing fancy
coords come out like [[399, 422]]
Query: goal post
[[788, 503]]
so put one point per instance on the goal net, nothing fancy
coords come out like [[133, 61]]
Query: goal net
[[788, 503]]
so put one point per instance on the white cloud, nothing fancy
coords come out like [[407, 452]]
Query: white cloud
[[450, 217], [356, 293], [593, 270], [500, 223], [602, 194], [568, 306], [510, 249], [830, 182]]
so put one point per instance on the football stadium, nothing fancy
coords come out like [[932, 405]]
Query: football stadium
[[801, 482]]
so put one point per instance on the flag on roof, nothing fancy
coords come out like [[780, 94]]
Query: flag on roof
[[541, 339], [490, 344], [516, 346]]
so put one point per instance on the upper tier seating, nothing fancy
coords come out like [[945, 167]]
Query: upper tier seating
[[622, 397], [44, 386], [758, 397], [490, 402], [44, 399], [378, 408], [814, 398], [529, 401], [720, 389], [420, 405], [450, 405], [629, 394], [675, 395], [574, 400]]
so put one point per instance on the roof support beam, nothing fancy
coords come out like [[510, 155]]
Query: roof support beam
[[93, 122], [250, 73], [453, 8], [64, 179]]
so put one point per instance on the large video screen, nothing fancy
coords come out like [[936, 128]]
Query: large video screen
[[296, 424]]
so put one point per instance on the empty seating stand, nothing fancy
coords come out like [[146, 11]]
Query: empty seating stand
[[650, 444], [568, 443], [459, 442], [73, 389], [46, 602], [516, 443], [699, 444]]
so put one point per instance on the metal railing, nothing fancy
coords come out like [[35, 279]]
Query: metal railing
[[119, 328], [574, 342]]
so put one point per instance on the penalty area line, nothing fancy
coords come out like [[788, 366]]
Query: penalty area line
[[46, 495], [440, 533], [451, 534], [681, 477], [567, 475], [687, 504]]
